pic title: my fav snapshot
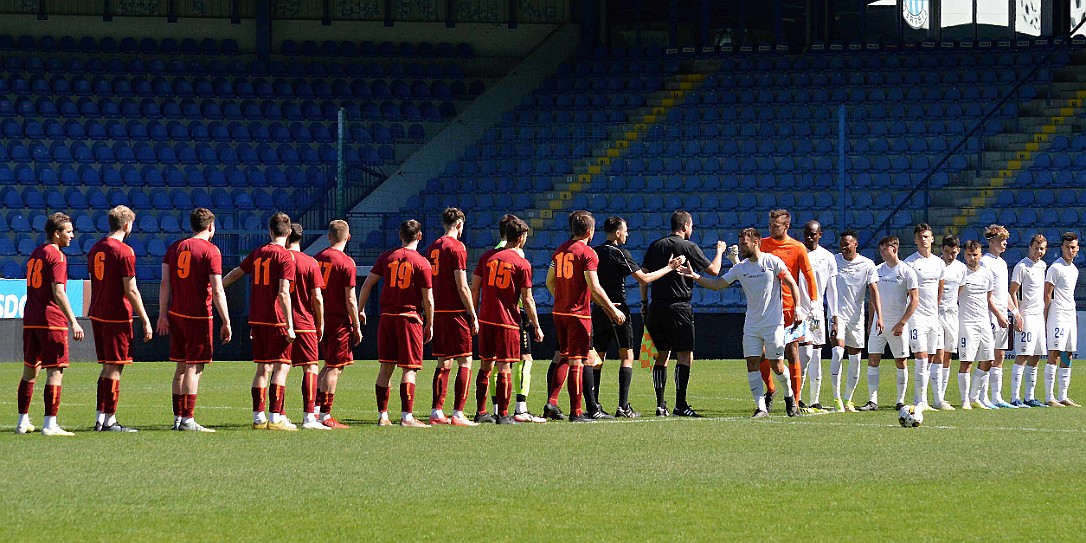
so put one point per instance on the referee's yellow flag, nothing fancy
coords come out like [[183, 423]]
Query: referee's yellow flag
[[648, 350]]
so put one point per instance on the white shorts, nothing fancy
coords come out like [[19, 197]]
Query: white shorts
[[852, 331], [1000, 336], [795, 332], [876, 342], [949, 321], [816, 326], [975, 342], [1031, 342], [925, 334], [769, 344], [1063, 334]]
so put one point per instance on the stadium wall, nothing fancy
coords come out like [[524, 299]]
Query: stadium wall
[[487, 40]]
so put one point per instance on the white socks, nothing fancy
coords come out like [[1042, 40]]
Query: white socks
[[902, 383], [24, 419], [814, 369], [784, 382], [1050, 382], [1031, 383], [408, 417], [458, 414], [835, 371], [853, 375], [936, 372], [1064, 379], [920, 391], [963, 387], [946, 379], [995, 380], [872, 383], [259, 417], [757, 390], [522, 407], [1016, 382], [49, 422]]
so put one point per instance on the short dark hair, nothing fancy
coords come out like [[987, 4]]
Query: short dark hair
[[921, 228], [971, 245], [514, 229], [1038, 238], [200, 219], [1068, 237], [612, 224], [749, 233], [679, 219], [119, 216], [950, 240], [451, 215], [502, 222], [279, 224], [409, 230], [295, 235], [889, 241], [778, 213], [55, 223], [580, 222], [851, 233]]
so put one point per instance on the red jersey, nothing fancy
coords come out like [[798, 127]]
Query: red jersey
[[45, 267], [504, 274], [571, 261], [406, 273], [267, 265], [794, 255], [191, 263], [447, 255], [110, 260], [338, 272], [307, 276], [480, 268]]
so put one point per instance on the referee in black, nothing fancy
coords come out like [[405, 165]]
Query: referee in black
[[615, 265], [670, 318]]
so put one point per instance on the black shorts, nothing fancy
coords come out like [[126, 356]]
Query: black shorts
[[671, 326], [525, 334], [604, 331]]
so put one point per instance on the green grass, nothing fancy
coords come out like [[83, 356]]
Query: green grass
[[963, 476]]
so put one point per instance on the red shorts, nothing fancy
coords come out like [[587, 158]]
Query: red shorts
[[190, 339], [574, 336], [45, 348], [336, 345], [112, 341], [270, 345], [452, 335], [499, 343], [399, 341], [789, 317], [303, 352]]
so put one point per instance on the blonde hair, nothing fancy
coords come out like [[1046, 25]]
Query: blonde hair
[[120, 216], [338, 230], [996, 230]]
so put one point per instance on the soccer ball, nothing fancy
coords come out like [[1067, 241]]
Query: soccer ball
[[910, 416]]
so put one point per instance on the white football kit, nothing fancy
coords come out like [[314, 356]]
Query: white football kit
[[1062, 322], [975, 341], [998, 267], [895, 283], [953, 276], [925, 334], [1030, 276], [763, 324], [853, 278]]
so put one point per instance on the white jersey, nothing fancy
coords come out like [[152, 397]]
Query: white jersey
[[973, 296], [1030, 276], [853, 277], [929, 271], [825, 268], [895, 282], [953, 276], [1063, 277], [762, 286], [999, 271]]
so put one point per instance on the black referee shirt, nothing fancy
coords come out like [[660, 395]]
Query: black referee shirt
[[673, 287], [615, 264]]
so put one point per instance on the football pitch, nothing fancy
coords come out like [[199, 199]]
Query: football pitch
[[964, 476]]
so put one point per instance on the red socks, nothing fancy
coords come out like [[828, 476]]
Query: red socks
[[309, 392], [26, 393], [463, 382], [576, 390], [561, 371], [482, 390], [441, 387], [796, 373], [767, 377], [260, 399], [178, 404], [505, 390], [52, 400], [278, 398], [382, 398], [188, 405], [108, 395], [407, 397]]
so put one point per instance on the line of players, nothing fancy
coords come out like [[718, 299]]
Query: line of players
[[299, 303]]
